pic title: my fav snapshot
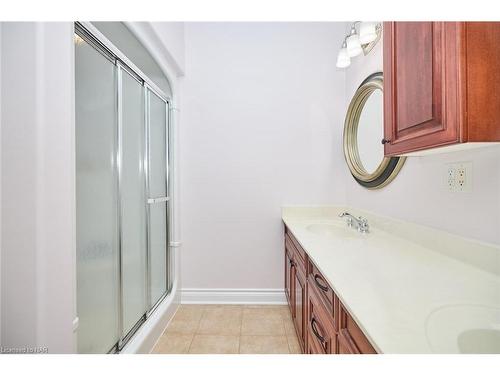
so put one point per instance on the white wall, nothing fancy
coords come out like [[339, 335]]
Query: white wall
[[418, 193], [263, 111], [171, 34], [19, 279], [262, 127], [37, 168]]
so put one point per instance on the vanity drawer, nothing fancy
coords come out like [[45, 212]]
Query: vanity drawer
[[313, 347], [351, 339], [323, 289], [295, 247], [321, 334]]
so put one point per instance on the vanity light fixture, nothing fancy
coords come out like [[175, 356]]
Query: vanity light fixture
[[367, 32], [343, 59], [356, 42], [353, 44]]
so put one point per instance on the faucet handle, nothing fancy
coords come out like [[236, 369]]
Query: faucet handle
[[363, 226]]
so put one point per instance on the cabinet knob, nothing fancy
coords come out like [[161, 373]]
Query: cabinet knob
[[384, 141]]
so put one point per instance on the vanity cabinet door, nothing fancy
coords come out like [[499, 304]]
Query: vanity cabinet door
[[421, 85], [313, 347], [288, 277], [351, 339], [441, 84], [300, 305], [343, 347]]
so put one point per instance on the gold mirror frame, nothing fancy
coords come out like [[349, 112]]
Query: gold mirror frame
[[389, 167]]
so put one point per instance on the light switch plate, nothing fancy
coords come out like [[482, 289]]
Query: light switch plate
[[458, 177]]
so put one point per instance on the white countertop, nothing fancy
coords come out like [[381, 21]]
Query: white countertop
[[392, 279]]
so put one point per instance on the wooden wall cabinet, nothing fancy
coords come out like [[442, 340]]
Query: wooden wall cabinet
[[441, 84], [322, 324]]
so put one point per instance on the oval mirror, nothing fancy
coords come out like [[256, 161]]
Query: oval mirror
[[363, 134]]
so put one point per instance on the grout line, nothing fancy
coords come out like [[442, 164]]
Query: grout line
[[197, 328], [241, 329], [190, 343], [288, 344], [203, 311], [284, 332]]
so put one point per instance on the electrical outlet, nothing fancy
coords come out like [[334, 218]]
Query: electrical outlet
[[459, 177]]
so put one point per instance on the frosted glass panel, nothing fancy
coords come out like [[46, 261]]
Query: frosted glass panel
[[133, 203], [96, 205], [158, 150], [158, 223], [157, 187]]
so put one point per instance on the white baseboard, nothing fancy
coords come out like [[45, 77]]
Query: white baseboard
[[233, 296]]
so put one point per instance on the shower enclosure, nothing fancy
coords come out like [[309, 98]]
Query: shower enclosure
[[124, 266]]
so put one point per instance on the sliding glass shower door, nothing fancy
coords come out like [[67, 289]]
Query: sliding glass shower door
[[132, 197], [158, 200], [121, 195], [96, 200]]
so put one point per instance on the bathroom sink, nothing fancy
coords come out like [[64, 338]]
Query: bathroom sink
[[464, 329], [333, 230], [479, 341]]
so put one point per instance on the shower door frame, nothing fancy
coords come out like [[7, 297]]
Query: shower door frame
[[91, 35]]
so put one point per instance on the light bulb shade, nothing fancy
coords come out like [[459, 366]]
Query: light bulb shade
[[367, 32], [353, 45], [343, 59]]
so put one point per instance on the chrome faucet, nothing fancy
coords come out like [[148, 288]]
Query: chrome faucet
[[359, 223]]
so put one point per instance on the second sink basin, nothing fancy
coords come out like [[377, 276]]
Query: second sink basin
[[473, 329]]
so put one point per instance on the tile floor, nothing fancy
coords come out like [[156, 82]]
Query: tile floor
[[229, 329]]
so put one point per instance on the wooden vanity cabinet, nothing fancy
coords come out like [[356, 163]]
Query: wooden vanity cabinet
[[441, 84], [322, 324]]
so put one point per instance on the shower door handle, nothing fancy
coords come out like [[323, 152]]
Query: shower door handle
[[158, 200]]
